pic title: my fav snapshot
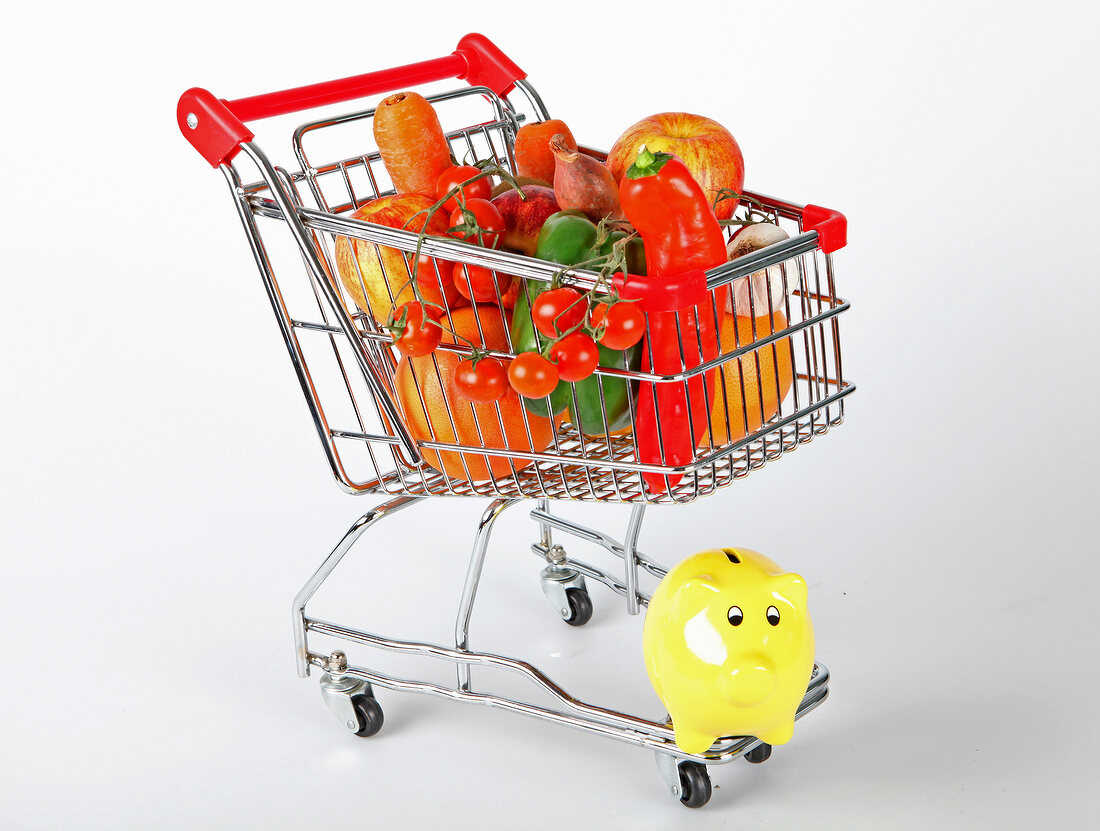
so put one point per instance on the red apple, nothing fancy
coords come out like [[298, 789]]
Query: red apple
[[377, 276], [707, 148], [523, 218]]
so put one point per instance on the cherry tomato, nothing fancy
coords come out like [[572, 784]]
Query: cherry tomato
[[454, 176], [558, 310], [479, 284], [489, 224], [482, 383], [426, 274], [509, 298], [437, 288], [421, 335], [576, 356], [623, 324], [532, 376]]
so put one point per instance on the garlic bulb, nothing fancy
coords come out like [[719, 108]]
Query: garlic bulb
[[749, 295]]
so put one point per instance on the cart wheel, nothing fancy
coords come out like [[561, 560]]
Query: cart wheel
[[369, 714], [694, 784], [580, 607], [761, 753]]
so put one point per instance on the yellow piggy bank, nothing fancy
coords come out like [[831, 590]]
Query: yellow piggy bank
[[729, 647]]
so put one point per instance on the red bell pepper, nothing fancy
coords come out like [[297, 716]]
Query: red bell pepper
[[681, 234]]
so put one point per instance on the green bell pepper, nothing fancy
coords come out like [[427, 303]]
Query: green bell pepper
[[570, 238], [635, 251], [567, 237]]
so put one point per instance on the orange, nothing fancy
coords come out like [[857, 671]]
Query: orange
[[749, 389], [444, 416], [377, 276]]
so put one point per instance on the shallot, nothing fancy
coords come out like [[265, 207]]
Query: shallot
[[582, 182]]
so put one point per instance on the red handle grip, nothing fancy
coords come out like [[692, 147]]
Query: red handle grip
[[215, 127], [831, 227]]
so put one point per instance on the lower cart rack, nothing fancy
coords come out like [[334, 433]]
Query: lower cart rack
[[348, 689]]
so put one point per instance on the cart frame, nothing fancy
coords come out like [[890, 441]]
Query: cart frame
[[575, 468]]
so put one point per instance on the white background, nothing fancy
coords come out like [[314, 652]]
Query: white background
[[163, 495]]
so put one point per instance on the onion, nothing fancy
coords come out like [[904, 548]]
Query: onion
[[756, 286]]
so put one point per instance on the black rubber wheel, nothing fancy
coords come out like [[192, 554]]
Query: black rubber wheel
[[759, 754], [369, 714], [580, 607], [694, 784]]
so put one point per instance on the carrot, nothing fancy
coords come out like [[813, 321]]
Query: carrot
[[411, 142], [532, 148]]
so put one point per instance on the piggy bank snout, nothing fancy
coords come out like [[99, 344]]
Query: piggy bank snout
[[750, 682]]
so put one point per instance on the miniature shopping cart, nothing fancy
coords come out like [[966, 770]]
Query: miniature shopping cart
[[347, 368]]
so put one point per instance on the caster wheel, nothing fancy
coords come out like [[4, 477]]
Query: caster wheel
[[694, 784], [368, 712], [761, 753], [580, 607]]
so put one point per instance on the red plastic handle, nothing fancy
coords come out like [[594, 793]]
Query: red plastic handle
[[831, 227], [215, 127], [663, 294]]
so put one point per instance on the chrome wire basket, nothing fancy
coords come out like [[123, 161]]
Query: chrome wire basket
[[347, 365]]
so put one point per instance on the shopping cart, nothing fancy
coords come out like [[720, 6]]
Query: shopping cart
[[349, 373]]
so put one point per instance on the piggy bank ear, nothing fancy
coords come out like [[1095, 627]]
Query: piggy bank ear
[[695, 593], [792, 588]]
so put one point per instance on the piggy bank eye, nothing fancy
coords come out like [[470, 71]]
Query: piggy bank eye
[[735, 615], [773, 616]]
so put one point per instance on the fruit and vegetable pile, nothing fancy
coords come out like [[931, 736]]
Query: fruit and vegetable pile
[[647, 220]]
